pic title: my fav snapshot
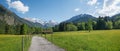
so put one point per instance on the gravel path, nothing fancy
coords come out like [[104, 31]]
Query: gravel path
[[41, 44]]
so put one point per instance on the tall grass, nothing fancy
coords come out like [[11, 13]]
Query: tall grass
[[13, 43], [99, 40]]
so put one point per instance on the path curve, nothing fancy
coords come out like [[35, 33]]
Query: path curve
[[41, 44]]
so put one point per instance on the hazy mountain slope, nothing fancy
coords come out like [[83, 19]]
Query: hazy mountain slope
[[81, 18], [115, 17], [11, 18]]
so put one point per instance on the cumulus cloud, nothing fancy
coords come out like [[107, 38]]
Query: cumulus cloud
[[110, 8], [77, 9], [18, 5], [8, 0], [92, 2], [96, 7]]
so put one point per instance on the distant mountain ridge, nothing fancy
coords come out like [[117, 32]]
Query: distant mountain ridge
[[115, 17], [45, 24], [86, 17], [81, 18]]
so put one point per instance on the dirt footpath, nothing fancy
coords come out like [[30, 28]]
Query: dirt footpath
[[41, 44]]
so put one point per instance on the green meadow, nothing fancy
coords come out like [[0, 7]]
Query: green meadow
[[97, 40], [14, 43]]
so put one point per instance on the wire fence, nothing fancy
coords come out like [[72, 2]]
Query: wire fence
[[26, 42]]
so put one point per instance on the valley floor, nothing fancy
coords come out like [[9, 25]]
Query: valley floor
[[96, 40]]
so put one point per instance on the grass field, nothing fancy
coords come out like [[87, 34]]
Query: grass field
[[13, 43], [98, 40]]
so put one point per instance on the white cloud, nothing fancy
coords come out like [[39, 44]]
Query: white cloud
[[8, 0], [110, 8], [96, 7], [92, 2], [98, 3], [18, 5], [77, 9]]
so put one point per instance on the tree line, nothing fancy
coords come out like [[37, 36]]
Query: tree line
[[101, 23], [21, 29]]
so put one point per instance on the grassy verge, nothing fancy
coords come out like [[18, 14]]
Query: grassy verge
[[27, 42], [98, 40], [14, 43]]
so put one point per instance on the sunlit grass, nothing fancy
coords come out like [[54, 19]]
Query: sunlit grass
[[13, 43], [98, 40]]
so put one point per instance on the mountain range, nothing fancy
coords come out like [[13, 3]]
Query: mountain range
[[81, 18], [86, 17], [45, 24], [10, 18]]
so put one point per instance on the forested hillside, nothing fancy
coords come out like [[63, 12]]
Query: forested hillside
[[88, 22]]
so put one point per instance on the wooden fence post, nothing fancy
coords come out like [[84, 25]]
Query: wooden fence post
[[45, 36], [51, 37], [22, 43]]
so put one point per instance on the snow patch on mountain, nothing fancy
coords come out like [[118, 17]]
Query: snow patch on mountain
[[49, 23]]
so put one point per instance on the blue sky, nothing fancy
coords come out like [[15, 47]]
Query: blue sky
[[61, 10]]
